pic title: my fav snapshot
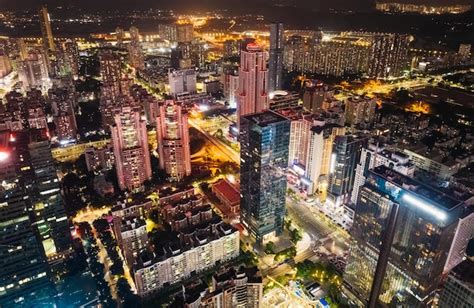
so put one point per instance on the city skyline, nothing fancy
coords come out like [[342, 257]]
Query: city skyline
[[247, 156]]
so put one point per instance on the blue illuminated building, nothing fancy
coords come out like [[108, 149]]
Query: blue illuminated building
[[264, 141], [402, 233]]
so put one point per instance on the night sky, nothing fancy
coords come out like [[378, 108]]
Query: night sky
[[210, 4]]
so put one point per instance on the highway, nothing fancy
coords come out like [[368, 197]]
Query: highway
[[224, 148]]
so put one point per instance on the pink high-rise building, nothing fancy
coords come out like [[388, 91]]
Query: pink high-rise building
[[253, 79], [130, 143], [172, 133]]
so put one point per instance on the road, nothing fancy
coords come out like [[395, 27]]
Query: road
[[224, 148]]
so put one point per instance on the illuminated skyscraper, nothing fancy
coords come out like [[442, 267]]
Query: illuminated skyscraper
[[24, 278], [135, 51], [264, 141], [46, 32], [388, 55], [402, 233], [71, 57], [130, 142], [344, 158], [319, 146], [47, 202], [110, 67], [253, 81], [275, 63], [62, 102], [172, 134]]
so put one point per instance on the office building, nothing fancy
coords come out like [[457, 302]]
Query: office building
[[46, 32], [253, 81], [47, 203], [458, 290], [182, 81], [130, 143], [402, 232], [264, 141], [375, 155], [24, 278], [344, 158], [360, 110], [275, 62], [172, 134]]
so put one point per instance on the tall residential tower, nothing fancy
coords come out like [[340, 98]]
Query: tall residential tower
[[253, 80], [172, 133]]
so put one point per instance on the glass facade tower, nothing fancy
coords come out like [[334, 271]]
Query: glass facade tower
[[264, 140], [402, 234]]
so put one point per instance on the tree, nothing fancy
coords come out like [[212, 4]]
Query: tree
[[295, 235], [126, 295], [270, 248]]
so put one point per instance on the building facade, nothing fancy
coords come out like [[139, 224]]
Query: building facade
[[264, 140], [402, 233], [275, 62], [172, 134], [253, 81], [130, 144]]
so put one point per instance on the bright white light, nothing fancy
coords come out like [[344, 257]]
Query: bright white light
[[332, 166], [4, 155], [203, 107], [424, 206], [231, 178], [298, 169]]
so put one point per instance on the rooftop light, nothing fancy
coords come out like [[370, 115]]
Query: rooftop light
[[424, 206]]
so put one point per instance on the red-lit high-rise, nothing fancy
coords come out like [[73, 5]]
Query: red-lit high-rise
[[172, 133], [253, 79], [130, 142]]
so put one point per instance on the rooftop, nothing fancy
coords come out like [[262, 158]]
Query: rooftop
[[265, 118], [229, 191], [433, 195]]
